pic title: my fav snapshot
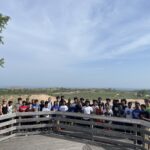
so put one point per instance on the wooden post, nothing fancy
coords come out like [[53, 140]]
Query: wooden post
[[91, 126], [50, 121], [19, 124], [146, 137], [11, 126], [135, 141]]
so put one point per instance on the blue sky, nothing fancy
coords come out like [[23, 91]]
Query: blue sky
[[76, 43]]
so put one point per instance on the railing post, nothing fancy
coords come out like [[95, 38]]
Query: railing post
[[50, 121], [143, 136], [19, 124], [11, 125], [135, 141], [56, 123], [91, 127], [146, 146]]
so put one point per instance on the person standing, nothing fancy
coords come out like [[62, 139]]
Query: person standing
[[95, 106], [46, 109], [73, 105], [36, 106], [23, 107], [62, 99], [128, 111], [137, 111], [123, 106], [4, 107], [41, 105], [19, 103], [116, 108], [87, 109], [55, 107], [63, 107], [146, 115], [108, 111], [49, 103], [10, 107], [100, 103]]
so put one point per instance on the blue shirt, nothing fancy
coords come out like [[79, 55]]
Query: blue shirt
[[55, 108], [136, 113]]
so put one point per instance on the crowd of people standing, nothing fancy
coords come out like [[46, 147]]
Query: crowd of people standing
[[116, 107]]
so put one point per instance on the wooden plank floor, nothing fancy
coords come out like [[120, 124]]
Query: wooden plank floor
[[40, 142]]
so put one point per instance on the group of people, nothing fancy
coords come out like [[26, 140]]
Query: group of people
[[116, 108]]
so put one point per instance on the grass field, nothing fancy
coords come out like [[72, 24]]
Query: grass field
[[43, 93]]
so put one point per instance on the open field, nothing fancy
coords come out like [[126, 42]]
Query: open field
[[44, 93]]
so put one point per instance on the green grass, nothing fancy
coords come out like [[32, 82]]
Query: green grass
[[70, 93]]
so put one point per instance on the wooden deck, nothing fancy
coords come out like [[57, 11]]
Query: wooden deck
[[41, 142], [70, 131]]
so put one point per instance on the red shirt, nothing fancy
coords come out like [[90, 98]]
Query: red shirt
[[23, 108]]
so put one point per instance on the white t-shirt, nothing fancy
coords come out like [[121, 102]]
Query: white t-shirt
[[87, 110], [10, 109], [63, 108], [128, 112], [46, 109]]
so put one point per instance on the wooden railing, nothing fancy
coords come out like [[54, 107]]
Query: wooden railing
[[127, 133]]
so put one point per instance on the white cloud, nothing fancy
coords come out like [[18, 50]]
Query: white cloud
[[65, 33], [83, 30]]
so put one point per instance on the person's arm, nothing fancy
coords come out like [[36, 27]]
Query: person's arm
[[146, 119], [144, 116]]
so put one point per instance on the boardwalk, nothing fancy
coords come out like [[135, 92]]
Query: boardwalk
[[41, 142], [70, 132]]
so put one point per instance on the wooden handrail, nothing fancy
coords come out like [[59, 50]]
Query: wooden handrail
[[97, 128]]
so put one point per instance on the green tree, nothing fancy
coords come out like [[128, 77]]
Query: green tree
[[141, 93], [3, 23]]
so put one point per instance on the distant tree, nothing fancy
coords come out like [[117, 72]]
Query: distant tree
[[141, 93], [3, 23]]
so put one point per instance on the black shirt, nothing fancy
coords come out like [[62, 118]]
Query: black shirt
[[4, 109]]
